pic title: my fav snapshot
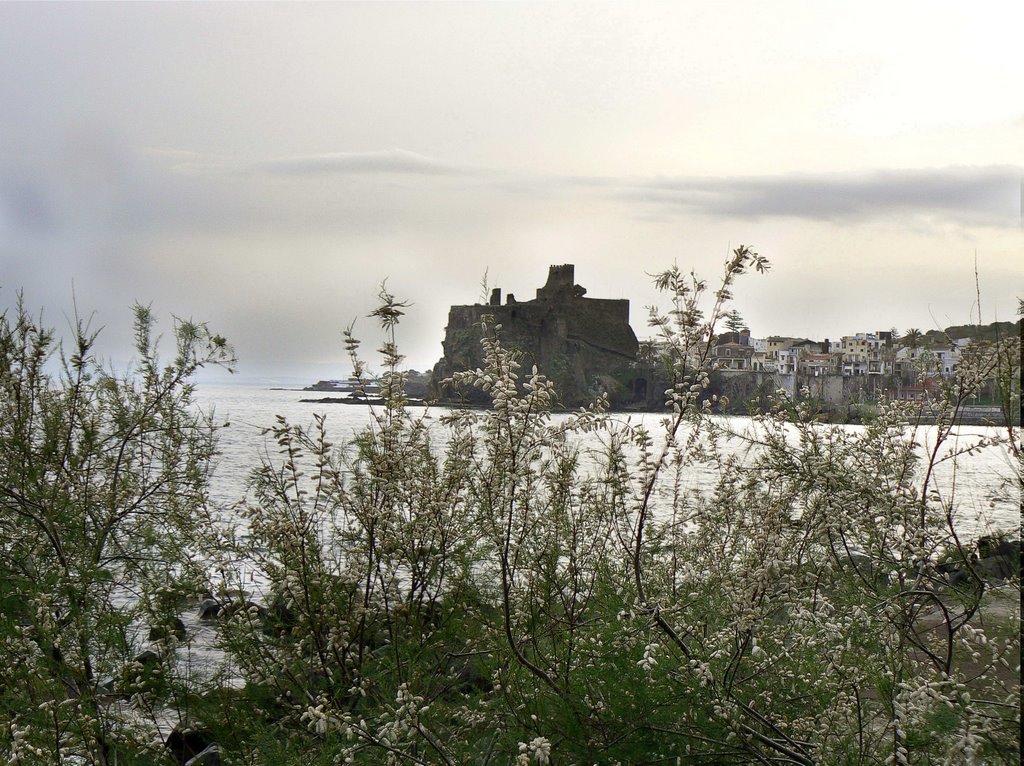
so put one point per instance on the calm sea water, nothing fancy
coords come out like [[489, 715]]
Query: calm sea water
[[985, 487]]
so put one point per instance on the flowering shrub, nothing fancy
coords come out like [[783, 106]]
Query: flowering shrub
[[515, 595], [537, 589], [103, 482]]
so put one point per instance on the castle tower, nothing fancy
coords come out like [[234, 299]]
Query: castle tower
[[560, 282], [581, 343]]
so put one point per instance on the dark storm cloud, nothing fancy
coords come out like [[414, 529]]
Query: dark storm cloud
[[986, 195]]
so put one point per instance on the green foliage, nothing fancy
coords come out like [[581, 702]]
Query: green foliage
[[522, 587], [990, 332], [734, 321], [912, 338], [103, 476], [517, 595]]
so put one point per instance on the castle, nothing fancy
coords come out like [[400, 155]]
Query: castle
[[585, 345]]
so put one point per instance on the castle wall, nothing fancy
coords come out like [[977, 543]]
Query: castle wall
[[603, 323], [580, 343]]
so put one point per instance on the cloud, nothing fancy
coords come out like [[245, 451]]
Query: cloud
[[25, 206], [987, 195], [969, 195], [166, 190], [386, 162]]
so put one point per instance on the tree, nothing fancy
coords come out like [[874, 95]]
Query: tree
[[527, 595], [104, 483], [532, 588], [912, 338], [734, 321]]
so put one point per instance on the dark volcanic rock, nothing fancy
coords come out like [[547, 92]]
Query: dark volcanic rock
[[991, 546], [186, 745], [280, 619], [176, 628], [997, 568], [209, 609], [996, 559], [148, 659], [208, 757]]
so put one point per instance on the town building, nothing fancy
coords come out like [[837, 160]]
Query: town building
[[733, 351], [866, 354], [930, 359]]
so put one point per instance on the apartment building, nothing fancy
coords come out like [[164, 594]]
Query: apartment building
[[866, 354], [733, 351], [816, 365], [789, 359], [931, 359], [774, 345]]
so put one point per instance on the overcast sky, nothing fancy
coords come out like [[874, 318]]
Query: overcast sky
[[264, 167]]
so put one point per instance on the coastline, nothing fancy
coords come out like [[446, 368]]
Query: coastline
[[855, 414]]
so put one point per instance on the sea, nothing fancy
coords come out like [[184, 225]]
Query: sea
[[984, 485]]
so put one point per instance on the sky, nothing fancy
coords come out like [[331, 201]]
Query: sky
[[267, 167]]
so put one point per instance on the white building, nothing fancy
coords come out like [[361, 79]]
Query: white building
[[866, 354]]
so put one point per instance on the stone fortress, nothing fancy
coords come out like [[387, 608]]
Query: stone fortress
[[585, 345], [587, 348]]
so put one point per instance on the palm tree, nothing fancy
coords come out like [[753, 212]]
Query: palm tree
[[912, 338]]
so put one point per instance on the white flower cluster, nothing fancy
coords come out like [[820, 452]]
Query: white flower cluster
[[22, 750], [967, 747], [649, 661], [406, 717], [538, 749], [320, 719], [703, 672]]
